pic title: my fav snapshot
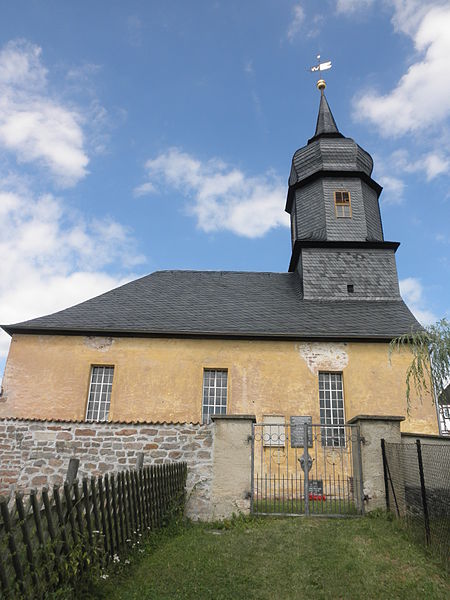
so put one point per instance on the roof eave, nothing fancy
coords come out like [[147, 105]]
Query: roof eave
[[245, 335]]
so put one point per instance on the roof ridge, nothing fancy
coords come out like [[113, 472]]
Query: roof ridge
[[213, 271]]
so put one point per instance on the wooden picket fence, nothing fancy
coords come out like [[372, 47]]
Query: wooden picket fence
[[53, 538]]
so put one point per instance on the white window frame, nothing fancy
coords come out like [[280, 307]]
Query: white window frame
[[332, 409], [215, 394], [99, 395]]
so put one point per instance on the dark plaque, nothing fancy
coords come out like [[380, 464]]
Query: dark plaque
[[297, 432], [316, 487]]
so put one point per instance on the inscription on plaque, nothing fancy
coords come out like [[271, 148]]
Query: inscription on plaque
[[316, 487], [297, 423]]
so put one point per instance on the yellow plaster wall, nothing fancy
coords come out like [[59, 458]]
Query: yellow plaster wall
[[161, 379]]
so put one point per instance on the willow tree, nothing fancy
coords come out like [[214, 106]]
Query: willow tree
[[429, 370]]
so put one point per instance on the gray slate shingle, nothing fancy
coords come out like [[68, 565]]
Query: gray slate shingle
[[226, 303]]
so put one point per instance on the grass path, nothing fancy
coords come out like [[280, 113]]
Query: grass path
[[281, 559]]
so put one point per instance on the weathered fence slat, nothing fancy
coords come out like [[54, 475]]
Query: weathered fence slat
[[69, 510], [52, 533], [120, 509], [135, 503], [140, 499], [12, 544], [44, 539], [114, 511], [26, 539], [87, 511], [62, 525], [3, 576], [125, 506], [101, 495]]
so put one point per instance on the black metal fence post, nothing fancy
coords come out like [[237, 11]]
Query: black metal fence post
[[424, 494], [306, 467], [386, 483]]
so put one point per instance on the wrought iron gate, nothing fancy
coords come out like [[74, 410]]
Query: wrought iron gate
[[302, 468]]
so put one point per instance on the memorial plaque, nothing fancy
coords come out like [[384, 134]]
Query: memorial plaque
[[297, 431], [316, 487]]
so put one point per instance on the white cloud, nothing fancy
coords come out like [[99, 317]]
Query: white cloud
[[412, 292], [298, 18], [222, 197], [387, 174], [431, 163], [421, 99], [352, 6], [248, 67], [144, 189], [53, 259], [434, 165], [35, 126], [393, 189]]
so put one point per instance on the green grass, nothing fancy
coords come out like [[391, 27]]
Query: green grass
[[269, 558], [328, 507]]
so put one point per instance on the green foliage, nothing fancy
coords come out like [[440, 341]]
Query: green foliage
[[430, 367]]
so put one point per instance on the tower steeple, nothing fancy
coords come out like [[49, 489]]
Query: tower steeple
[[338, 246], [325, 121]]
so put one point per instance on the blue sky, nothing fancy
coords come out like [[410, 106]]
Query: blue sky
[[145, 135]]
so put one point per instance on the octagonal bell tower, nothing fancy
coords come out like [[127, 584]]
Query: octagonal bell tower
[[338, 247]]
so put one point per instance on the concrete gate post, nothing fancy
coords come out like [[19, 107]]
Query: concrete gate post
[[373, 429], [232, 465]]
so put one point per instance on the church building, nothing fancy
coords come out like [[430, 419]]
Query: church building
[[179, 346]]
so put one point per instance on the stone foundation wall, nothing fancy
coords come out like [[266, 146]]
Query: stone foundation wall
[[37, 453]]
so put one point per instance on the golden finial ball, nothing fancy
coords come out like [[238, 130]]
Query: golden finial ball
[[321, 85]]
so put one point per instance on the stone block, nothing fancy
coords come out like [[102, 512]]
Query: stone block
[[39, 480], [126, 432], [133, 445], [204, 454], [151, 447], [85, 432], [175, 454], [45, 436]]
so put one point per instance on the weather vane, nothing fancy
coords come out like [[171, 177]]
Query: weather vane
[[321, 66]]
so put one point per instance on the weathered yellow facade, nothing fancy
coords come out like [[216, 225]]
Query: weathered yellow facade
[[161, 379]]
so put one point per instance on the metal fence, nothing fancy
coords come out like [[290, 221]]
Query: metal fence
[[54, 538], [417, 481], [306, 469]]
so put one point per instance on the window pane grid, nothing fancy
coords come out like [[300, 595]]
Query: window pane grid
[[215, 387], [342, 204], [99, 393], [331, 400]]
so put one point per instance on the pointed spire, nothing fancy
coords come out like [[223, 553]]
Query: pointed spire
[[325, 119]]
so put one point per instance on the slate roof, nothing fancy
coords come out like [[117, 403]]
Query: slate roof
[[224, 304], [325, 120], [328, 150]]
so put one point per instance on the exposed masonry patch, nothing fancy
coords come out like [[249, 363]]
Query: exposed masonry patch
[[103, 344], [324, 356]]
